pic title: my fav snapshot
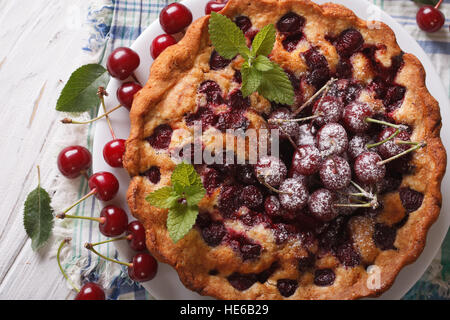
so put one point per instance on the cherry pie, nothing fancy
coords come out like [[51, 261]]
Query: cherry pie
[[302, 242]]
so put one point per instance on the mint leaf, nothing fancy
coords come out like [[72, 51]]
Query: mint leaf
[[38, 217], [263, 63], [226, 37], [184, 176], [194, 194], [162, 198], [180, 220], [264, 41], [80, 92], [276, 86], [251, 79]]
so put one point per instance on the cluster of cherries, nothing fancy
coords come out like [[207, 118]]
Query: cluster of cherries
[[429, 18]]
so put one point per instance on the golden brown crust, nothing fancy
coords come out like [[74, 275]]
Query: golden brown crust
[[191, 257]]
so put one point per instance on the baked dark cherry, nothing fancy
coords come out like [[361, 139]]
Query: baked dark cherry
[[214, 233], [291, 42], [306, 263], [212, 91], [229, 203], [122, 62], [290, 23], [161, 43], [332, 139], [205, 115], [217, 62], [241, 282], [335, 173], [367, 169], [243, 23], [384, 236], [175, 18], [321, 205], [348, 42], [136, 236], [114, 221], [324, 277], [237, 101], [347, 255], [358, 145], [161, 137], [233, 119], [247, 248], [125, 93], [153, 174], [113, 152], [288, 128], [306, 160], [411, 199], [293, 194], [354, 117], [391, 148], [245, 174], [74, 161], [328, 109], [251, 197], [287, 287], [91, 291], [270, 170], [314, 59], [105, 184]]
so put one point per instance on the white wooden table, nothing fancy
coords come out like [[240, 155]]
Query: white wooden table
[[41, 43]]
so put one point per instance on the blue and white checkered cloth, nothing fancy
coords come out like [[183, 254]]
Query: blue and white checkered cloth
[[119, 22]]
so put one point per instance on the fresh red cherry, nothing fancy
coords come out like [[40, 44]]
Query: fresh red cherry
[[113, 152], [143, 267], [105, 184], [214, 6], [136, 236], [114, 221], [91, 291], [161, 43], [122, 62], [174, 18], [73, 161], [429, 18], [125, 93]]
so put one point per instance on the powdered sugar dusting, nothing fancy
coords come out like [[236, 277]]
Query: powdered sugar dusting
[[329, 109], [367, 169], [332, 139], [271, 170], [354, 117], [335, 173], [294, 194]]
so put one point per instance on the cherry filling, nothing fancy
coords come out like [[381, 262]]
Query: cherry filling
[[411, 199], [291, 25], [384, 236], [212, 91], [318, 66], [287, 287], [324, 277], [242, 282], [153, 174], [217, 62], [243, 23], [246, 247], [161, 137]]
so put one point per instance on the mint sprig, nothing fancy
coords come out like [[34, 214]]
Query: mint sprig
[[181, 199], [259, 73]]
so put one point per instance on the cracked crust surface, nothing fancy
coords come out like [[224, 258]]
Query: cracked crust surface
[[170, 93]]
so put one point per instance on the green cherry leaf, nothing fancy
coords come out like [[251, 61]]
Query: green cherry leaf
[[180, 220], [276, 86], [38, 217], [226, 37], [264, 41], [80, 92]]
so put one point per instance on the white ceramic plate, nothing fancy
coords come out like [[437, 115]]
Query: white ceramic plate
[[166, 284]]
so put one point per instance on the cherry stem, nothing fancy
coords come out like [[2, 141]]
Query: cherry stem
[[372, 145], [279, 121], [263, 182], [396, 126], [111, 240], [91, 193], [68, 216], [315, 95], [101, 94], [90, 247], [417, 146], [66, 240], [363, 193], [355, 205], [438, 4], [70, 121]]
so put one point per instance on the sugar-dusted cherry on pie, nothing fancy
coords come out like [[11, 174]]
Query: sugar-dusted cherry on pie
[[74, 161], [367, 168], [321, 205], [161, 43], [125, 93], [429, 18], [175, 18], [113, 152], [270, 170], [122, 62]]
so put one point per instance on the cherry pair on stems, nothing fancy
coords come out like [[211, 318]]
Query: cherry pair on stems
[[143, 267]]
